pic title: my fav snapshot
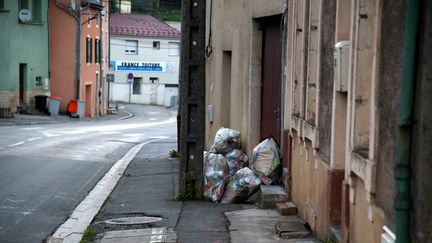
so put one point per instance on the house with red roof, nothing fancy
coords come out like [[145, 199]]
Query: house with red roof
[[145, 55]]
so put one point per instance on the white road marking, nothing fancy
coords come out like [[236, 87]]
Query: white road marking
[[106, 128], [33, 139], [15, 144], [14, 201], [50, 135], [16, 212]]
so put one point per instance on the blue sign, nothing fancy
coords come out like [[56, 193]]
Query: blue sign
[[139, 68], [146, 66]]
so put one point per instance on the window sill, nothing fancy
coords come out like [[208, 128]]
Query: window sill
[[311, 132], [4, 11], [31, 22], [364, 169]]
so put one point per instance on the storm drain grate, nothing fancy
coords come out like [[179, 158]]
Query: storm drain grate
[[133, 220]]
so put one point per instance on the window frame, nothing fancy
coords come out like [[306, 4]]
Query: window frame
[[128, 48], [89, 50], [156, 45], [35, 8], [171, 49], [97, 50], [154, 80]]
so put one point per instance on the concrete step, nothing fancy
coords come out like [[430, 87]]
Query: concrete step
[[292, 229], [270, 195], [286, 208]]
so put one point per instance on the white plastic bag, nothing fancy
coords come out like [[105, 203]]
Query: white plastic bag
[[266, 157], [226, 140]]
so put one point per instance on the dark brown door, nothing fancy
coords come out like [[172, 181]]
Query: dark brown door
[[22, 78], [271, 79]]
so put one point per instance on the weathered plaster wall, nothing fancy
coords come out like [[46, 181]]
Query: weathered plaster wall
[[328, 18], [388, 102], [362, 229], [422, 152], [310, 188], [22, 43], [62, 55], [234, 30]]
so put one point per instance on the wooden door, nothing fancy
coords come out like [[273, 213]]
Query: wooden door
[[271, 79]]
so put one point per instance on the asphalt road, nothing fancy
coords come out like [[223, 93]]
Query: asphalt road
[[47, 170]]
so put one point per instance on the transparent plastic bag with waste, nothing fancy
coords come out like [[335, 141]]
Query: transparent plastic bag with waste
[[216, 173], [266, 161], [236, 160], [266, 157], [242, 185], [226, 140]]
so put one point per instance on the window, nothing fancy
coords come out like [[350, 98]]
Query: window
[[33, 6], [156, 45], [97, 51], [89, 48], [131, 47], [154, 80], [137, 86], [173, 48], [2, 4]]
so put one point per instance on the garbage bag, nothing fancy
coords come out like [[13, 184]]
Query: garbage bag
[[226, 140], [216, 173], [242, 185], [236, 160], [215, 192], [266, 157]]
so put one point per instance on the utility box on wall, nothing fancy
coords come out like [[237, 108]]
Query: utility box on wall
[[341, 62]]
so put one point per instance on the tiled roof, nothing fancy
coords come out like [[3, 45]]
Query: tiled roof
[[140, 25]]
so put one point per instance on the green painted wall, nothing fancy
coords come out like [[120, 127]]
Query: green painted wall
[[23, 43]]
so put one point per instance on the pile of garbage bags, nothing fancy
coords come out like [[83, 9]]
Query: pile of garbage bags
[[228, 176]]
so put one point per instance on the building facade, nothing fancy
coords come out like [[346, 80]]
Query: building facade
[[324, 78], [79, 52], [145, 59], [24, 63]]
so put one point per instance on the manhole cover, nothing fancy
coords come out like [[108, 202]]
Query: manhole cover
[[133, 220]]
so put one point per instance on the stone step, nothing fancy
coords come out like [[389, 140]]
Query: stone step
[[286, 208], [270, 195]]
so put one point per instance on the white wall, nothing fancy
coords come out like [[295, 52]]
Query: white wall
[[121, 93], [146, 53]]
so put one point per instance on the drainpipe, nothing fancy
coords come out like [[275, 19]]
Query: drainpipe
[[78, 55], [100, 92], [402, 172]]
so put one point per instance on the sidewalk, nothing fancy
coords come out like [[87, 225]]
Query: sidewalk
[[142, 208]]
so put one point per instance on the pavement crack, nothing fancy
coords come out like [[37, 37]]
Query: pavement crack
[[179, 215]]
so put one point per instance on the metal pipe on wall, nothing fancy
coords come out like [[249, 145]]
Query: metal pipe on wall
[[402, 173]]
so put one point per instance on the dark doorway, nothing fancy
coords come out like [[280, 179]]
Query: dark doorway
[[22, 78], [271, 79]]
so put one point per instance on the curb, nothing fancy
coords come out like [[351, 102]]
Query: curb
[[73, 229]]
